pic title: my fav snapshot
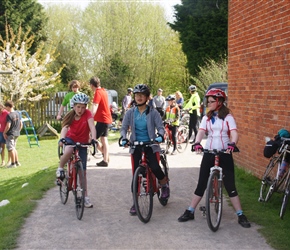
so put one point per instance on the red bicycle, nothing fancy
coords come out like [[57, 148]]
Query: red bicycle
[[145, 184], [182, 139], [74, 177]]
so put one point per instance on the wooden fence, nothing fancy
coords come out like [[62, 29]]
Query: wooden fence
[[44, 111]]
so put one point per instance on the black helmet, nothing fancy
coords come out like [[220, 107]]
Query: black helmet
[[142, 88], [170, 98], [192, 88], [130, 90]]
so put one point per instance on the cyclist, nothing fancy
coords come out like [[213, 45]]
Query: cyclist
[[222, 134], [193, 106], [143, 122], [172, 114], [74, 86], [76, 127]]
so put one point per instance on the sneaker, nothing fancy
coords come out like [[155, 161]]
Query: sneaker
[[243, 221], [132, 210], [102, 164], [88, 203], [60, 174], [18, 164], [187, 215], [11, 165], [165, 192]]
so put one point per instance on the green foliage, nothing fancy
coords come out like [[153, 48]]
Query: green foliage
[[202, 26], [120, 43], [27, 14], [211, 72]]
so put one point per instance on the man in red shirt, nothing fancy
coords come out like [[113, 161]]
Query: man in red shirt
[[102, 115]]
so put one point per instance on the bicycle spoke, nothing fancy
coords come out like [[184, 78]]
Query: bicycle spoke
[[143, 195]]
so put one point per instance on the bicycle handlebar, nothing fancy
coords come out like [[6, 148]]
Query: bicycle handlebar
[[215, 151], [84, 145]]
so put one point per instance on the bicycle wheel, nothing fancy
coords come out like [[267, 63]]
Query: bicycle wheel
[[165, 169], [285, 200], [167, 142], [142, 195], [182, 139], [80, 190], [214, 201], [63, 189]]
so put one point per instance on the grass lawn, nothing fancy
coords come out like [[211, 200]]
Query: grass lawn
[[38, 170]]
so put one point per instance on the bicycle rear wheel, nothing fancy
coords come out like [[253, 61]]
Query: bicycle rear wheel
[[269, 182], [142, 195], [182, 139], [165, 169], [63, 189], [80, 190], [214, 201], [285, 200]]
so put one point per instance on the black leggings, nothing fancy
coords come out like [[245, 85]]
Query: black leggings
[[192, 123], [173, 132], [227, 164], [153, 159]]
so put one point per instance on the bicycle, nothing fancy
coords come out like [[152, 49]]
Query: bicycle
[[271, 181], [182, 139], [74, 178], [145, 184], [214, 191], [285, 198]]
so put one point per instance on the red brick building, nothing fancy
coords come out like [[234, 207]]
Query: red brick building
[[258, 75]]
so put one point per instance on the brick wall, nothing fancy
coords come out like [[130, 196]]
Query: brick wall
[[258, 75]]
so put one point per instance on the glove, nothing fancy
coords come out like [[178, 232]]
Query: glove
[[94, 142], [124, 142], [196, 147], [231, 147], [159, 138]]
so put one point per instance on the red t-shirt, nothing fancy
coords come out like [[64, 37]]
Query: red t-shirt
[[3, 116], [103, 113], [79, 130]]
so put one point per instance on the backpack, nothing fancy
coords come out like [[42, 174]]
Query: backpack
[[272, 146]]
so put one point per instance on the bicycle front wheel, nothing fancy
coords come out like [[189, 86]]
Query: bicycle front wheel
[[63, 189], [285, 200], [142, 194], [269, 182], [214, 201], [182, 139], [79, 192]]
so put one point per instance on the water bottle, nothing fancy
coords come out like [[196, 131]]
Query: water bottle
[[283, 168]]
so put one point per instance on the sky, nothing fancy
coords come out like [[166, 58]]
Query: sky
[[168, 4]]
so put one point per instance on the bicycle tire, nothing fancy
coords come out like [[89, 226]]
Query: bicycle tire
[[285, 200], [182, 139], [214, 201], [275, 183], [80, 190], [63, 189], [165, 169], [59, 151], [167, 142], [143, 199]]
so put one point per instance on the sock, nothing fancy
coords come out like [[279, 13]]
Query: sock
[[191, 209], [239, 212]]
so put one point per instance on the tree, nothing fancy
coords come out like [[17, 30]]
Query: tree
[[30, 77], [202, 26], [28, 14]]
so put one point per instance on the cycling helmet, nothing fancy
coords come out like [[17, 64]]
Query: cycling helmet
[[142, 88], [80, 98], [216, 93], [192, 88], [170, 98], [130, 90]]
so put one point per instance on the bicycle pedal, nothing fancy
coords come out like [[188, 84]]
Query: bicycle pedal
[[203, 210]]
